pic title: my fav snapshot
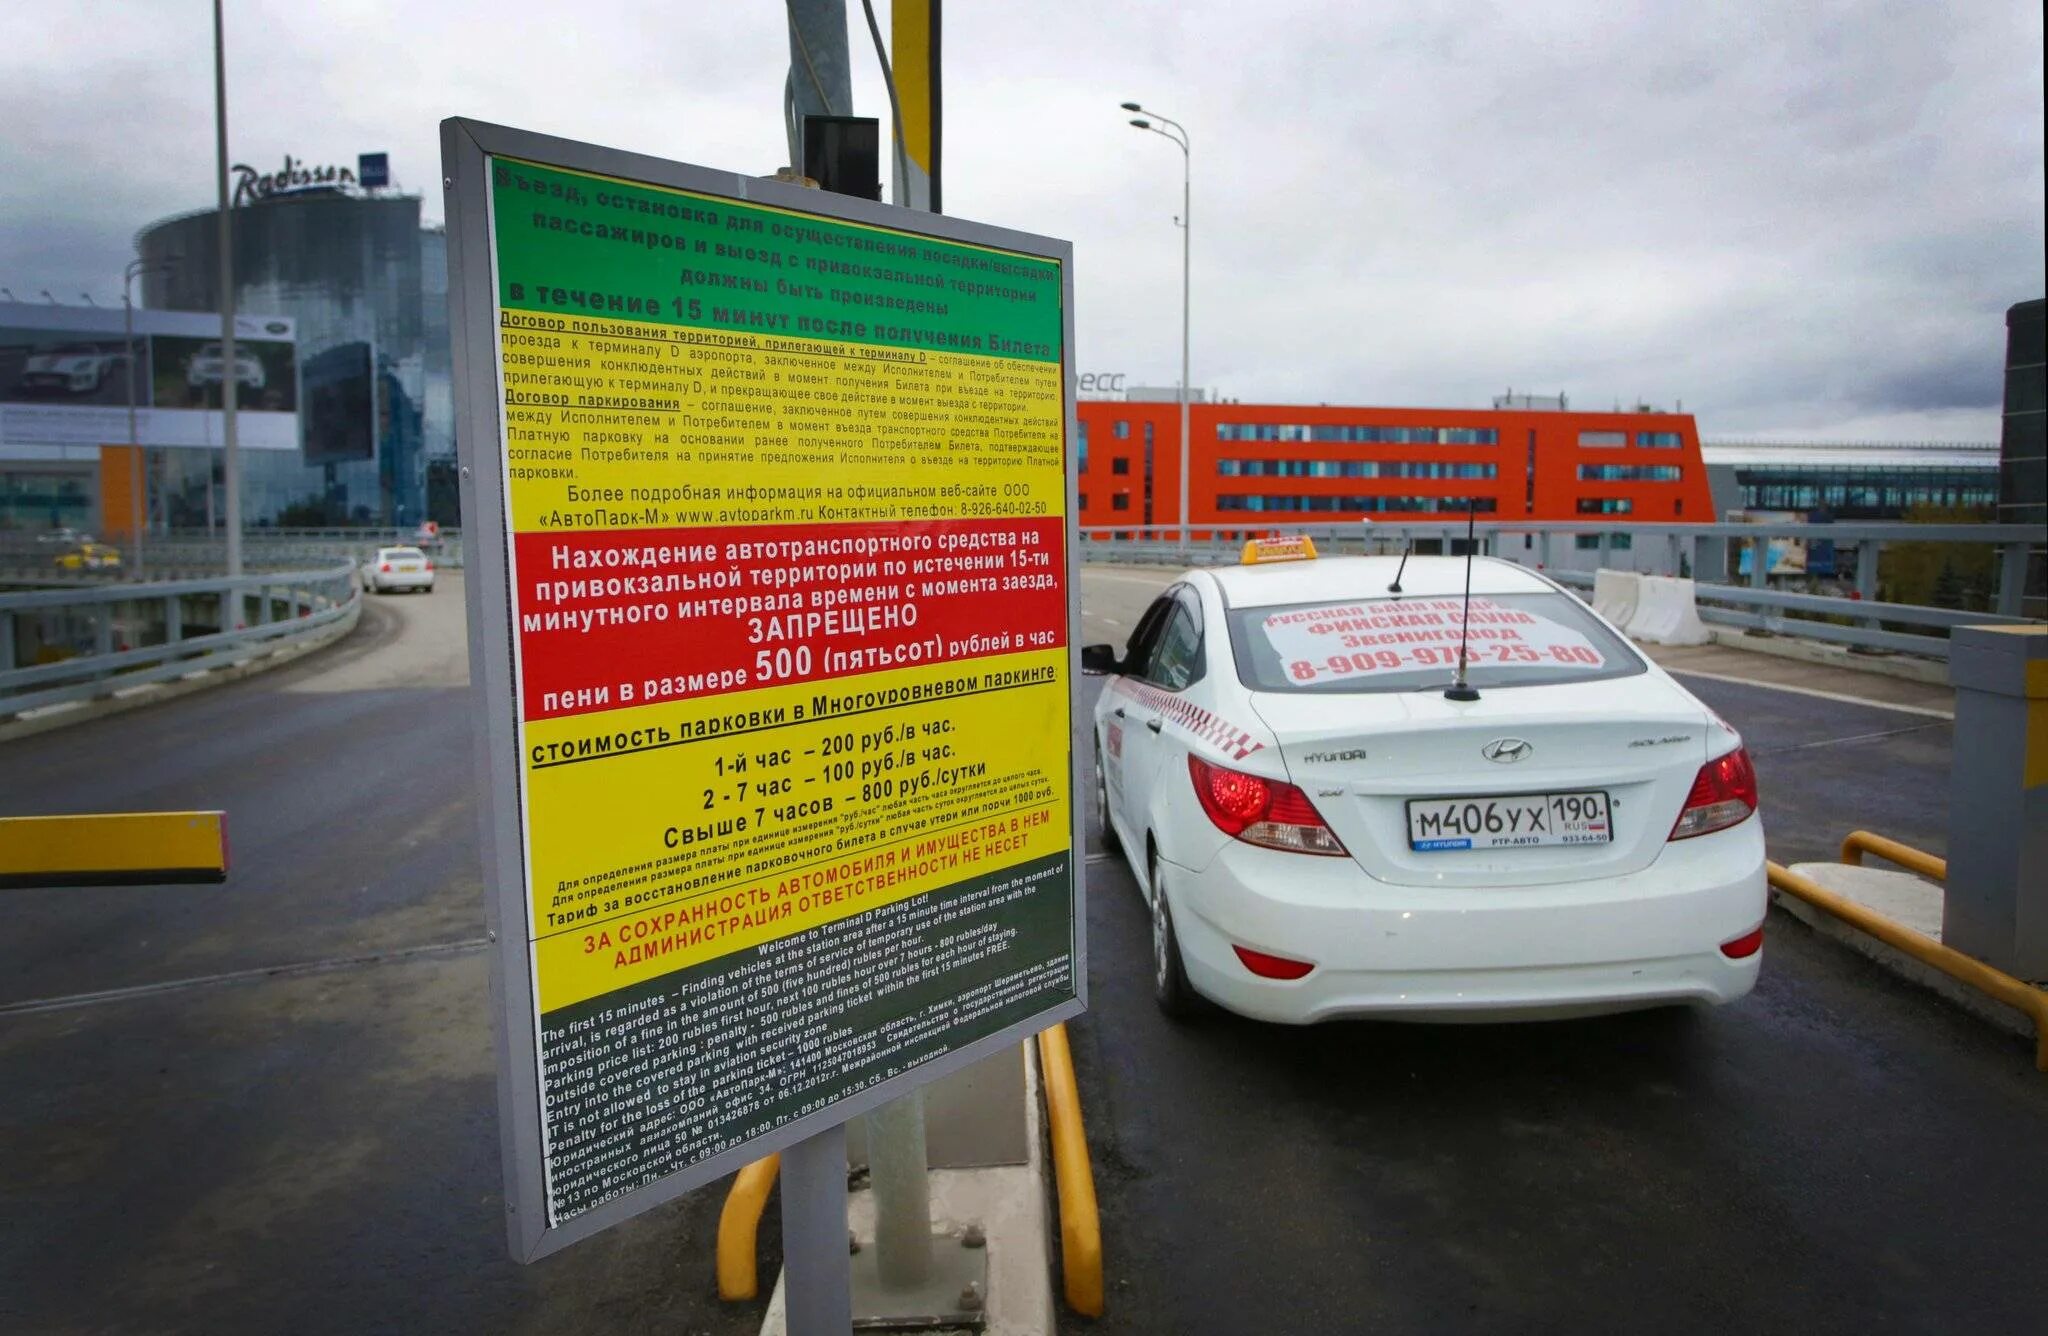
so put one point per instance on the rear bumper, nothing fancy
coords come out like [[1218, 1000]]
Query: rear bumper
[[1650, 938], [421, 580]]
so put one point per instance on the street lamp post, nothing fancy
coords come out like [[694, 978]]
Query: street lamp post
[[231, 464], [1179, 139]]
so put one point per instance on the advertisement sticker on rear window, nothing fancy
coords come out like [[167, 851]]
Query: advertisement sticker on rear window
[[1360, 639]]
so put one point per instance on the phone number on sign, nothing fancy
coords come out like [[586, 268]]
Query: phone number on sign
[[1431, 656]]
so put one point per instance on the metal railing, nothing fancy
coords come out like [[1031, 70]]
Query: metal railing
[[1861, 622], [25, 560], [68, 645]]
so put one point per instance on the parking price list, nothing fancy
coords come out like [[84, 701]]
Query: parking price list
[[788, 581]]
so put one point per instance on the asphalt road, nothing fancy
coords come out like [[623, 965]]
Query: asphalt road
[[316, 1151], [307, 1153], [1839, 1152]]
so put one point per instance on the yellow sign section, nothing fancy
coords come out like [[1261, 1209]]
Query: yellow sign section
[[737, 819]]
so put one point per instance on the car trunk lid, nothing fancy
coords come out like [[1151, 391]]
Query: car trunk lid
[[1362, 758]]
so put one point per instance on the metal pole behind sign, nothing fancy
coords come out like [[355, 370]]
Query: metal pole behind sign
[[817, 1281]]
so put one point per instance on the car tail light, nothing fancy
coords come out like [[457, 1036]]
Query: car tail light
[[430, 566], [386, 568], [1271, 967], [1746, 945], [1723, 795], [1260, 811]]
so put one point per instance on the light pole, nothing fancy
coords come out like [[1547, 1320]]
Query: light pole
[[138, 481], [1180, 141], [231, 464]]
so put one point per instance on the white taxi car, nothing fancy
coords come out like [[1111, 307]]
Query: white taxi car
[[1320, 831], [398, 568]]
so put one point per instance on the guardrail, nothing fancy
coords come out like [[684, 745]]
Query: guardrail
[[25, 559], [67, 645], [1995, 984], [1767, 609], [1856, 622]]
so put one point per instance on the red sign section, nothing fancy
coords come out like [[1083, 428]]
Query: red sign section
[[620, 618]]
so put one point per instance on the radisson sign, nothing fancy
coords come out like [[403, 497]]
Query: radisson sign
[[250, 186]]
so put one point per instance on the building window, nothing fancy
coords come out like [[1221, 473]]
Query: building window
[[1122, 430], [1590, 542], [1603, 440], [1424, 505], [1350, 468], [1659, 440], [1355, 433], [1628, 473], [1605, 505], [1084, 447], [1084, 500], [1121, 501], [1120, 465]]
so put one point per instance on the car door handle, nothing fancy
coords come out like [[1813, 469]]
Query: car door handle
[[1118, 712], [1155, 724]]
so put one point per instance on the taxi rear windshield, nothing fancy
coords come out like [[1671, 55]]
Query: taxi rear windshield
[[1408, 644]]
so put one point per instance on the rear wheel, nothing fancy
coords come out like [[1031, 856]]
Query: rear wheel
[[1170, 987], [1110, 841]]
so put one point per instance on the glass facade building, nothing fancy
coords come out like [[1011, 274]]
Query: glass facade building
[[368, 288]]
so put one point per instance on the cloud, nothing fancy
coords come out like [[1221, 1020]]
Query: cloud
[[1804, 217]]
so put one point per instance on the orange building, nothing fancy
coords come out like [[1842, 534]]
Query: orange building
[[1254, 464]]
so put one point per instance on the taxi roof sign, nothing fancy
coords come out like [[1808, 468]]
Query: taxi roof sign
[[1259, 551]]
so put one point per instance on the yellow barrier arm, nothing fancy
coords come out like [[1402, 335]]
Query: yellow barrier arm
[[1992, 983], [113, 849], [1861, 842], [1080, 1224], [739, 1223]]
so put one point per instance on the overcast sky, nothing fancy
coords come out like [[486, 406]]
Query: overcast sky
[[1798, 219]]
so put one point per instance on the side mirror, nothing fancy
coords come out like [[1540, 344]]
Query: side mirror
[[1099, 659]]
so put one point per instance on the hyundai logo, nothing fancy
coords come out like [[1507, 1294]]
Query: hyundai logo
[[1506, 751]]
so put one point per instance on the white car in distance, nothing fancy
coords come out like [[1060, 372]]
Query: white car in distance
[[1320, 831], [396, 569]]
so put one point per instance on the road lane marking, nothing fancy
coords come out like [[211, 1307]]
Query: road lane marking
[[1854, 737], [295, 970], [1815, 692]]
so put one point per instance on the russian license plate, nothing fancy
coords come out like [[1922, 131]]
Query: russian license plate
[[408, 567], [1523, 820]]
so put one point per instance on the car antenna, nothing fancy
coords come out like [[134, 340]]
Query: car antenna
[[1395, 587], [1460, 689]]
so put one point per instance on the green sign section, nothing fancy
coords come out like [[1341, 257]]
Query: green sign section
[[580, 245]]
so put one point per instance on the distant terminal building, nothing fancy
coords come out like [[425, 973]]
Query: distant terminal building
[[1529, 457], [347, 259], [1853, 480], [1253, 464]]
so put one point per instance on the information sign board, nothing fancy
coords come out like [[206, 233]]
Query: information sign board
[[773, 646]]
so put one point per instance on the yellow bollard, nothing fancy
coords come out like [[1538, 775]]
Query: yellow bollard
[[739, 1223]]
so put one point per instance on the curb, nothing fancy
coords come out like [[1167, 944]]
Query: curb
[[55, 717], [1904, 966], [1929, 672]]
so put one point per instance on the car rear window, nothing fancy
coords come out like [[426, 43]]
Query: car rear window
[[403, 554], [1407, 644]]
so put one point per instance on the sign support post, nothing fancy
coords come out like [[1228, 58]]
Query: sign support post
[[817, 1293]]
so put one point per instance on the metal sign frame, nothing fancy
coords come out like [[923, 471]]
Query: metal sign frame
[[466, 147]]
